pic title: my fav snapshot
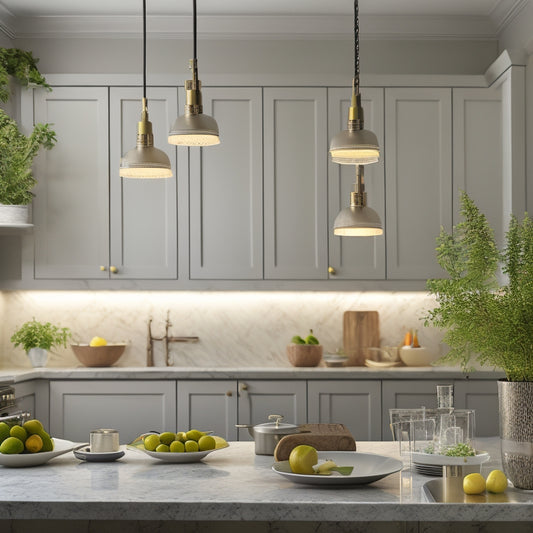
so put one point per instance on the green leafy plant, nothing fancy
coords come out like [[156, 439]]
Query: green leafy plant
[[34, 334], [17, 153], [485, 320], [22, 66]]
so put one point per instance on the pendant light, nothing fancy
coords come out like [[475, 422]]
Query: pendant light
[[194, 128], [358, 220], [355, 146], [145, 160]]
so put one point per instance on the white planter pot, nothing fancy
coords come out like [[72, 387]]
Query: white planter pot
[[38, 357], [15, 214]]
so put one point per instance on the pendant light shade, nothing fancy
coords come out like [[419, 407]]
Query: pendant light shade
[[145, 160], [355, 145], [358, 220], [194, 128]]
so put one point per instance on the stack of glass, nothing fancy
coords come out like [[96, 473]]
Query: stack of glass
[[444, 430]]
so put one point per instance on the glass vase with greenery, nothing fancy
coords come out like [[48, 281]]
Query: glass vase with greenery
[[484, 319]]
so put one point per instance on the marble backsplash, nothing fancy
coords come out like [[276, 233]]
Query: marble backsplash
[[236, 329]]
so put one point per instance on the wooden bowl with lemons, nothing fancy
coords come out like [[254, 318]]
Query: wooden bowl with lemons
[[98, 352]]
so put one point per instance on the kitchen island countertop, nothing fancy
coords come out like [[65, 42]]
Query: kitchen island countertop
[[232, 484]]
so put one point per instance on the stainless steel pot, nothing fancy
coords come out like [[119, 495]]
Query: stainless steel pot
[[267, 435]]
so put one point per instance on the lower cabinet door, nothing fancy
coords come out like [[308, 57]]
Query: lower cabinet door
[[33, 397], [208, 406], [259, 399], [130, 407], [356, 404]]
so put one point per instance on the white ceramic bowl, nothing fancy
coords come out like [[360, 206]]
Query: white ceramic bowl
[[416, 356]]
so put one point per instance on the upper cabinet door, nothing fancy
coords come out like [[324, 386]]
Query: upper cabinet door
[[356, 257], [71, 205], [295, 148], [418, 170], [477, 153], [226, 189], [143, 211]]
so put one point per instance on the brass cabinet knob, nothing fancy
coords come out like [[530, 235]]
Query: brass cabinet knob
[[102, 268], [229, 393], [244, 387], [332, 271], [113, 269]]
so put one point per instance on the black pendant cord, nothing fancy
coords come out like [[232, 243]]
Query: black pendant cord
[[195, 50], [144, 49], [356, 43]]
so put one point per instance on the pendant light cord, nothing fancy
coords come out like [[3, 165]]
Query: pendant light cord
[[144, 48], [356, 43], [195, 51]]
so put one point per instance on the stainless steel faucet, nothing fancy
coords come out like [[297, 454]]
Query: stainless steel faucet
[[166, 339]]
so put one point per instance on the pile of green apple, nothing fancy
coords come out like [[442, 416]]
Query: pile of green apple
[[182, 441], [310, 339]]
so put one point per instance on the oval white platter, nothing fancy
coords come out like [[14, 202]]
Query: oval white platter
[[368, 467], [33, 459], [445, 460], [183, 457]]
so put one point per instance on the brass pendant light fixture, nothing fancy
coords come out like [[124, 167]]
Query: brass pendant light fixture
[[194, 128], [145, 160], [355, 146], [358, 220]]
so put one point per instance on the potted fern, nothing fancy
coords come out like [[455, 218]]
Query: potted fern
[[491, 322], [18, 151], [37, 338]]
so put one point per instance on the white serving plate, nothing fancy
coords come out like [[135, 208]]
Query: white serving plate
[[368, 467], [33, 459], [382, 364], [183, 457], [444, 460]]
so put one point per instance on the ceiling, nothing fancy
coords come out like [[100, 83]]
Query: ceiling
[[479, 19]]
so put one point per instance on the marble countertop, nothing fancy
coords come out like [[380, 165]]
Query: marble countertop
[[24, 374], [230, 484]]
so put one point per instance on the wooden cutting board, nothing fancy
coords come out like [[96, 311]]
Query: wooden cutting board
[[323, 437], [360, 330]]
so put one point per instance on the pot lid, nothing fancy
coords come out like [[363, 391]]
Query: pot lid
[[275, 428]]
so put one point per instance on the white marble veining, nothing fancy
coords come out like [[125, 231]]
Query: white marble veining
[[231, 484], [236, 329]]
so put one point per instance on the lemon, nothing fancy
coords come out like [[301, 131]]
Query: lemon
[[167, 437], [496, 481], [181, 435], [473, 484], [177, 446], [19, 432], [191, 446], [48, 443], [206, 442], [302, 459], [34, 444], [326, 467], [33, 426], [12, 445], [4, 431], [220, 442], [98, 341], [151, 442], [194, 434], [162, 448]]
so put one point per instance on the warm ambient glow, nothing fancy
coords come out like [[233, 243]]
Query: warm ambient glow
[[145, 173], [358, 232], [193, 140], [354, 156]]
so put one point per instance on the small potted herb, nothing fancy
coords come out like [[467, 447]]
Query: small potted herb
[[37, 339]]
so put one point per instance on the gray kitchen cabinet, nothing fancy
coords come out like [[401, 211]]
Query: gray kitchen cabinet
[[70, 211], [131, 407], [477, 153], [258, 399], [482, 396], [356, 404], [208, 406], [295, 175], [143, 214], [406, 394], [418, 169], [33, 397], [353, 257], [226, 189]]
